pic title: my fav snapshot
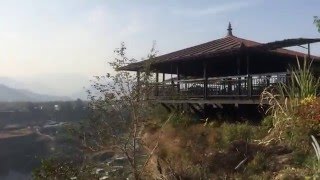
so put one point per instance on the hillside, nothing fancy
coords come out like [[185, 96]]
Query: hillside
[[8, 94]]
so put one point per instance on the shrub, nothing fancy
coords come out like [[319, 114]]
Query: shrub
[[300, 158], [285, 101], [267, 122], [258, 164], [316, 162], [55, 169], [180, 119], [230, 132], [158, 113], [304, 123]]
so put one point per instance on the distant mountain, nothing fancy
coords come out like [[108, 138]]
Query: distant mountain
[[83, 95], [63, 84], [8, 94], [12, 83]]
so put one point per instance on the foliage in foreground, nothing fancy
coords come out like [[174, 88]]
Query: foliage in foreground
[[119, 112], [295, 114], [317, 22], [287, 100], [211, 151], [280, 148], [189, 150]]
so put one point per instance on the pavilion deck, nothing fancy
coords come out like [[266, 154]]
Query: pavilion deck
[[242, 89]]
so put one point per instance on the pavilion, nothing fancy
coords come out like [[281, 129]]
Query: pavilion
[[229, 70]]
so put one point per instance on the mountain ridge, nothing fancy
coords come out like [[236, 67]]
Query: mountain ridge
[[9, 94]]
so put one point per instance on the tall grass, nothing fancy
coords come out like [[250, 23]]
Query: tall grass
[[302, 83], [283, 99], [316, 166]]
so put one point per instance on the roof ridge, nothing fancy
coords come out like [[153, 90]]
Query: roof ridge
[[246, 41], [191, 47], [225, 44]]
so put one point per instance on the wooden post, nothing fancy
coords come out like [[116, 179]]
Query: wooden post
[[163, 89], [171, 74], [239, 72], [249, 78], [268, 80], [238, 65], [229, 81], [163, 77], [309, 56], [157, 83], [249, 85], [248, 65], [138, 78], [138, 84], [178, 78], [205, 83]]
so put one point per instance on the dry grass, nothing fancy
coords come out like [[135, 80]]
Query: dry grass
[[285, 100], [203, 152]]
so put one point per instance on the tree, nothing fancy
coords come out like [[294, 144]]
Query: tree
[[317, 22], [120, 107], [118, 114]]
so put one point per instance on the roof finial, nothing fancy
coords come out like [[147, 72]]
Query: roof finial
[[229, 30]]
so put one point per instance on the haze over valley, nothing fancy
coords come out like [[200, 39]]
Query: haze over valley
[[49, 87]]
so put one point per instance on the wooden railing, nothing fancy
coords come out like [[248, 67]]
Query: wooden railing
[[230, 86]]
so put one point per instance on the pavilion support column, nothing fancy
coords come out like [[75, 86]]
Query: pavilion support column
[[238, 65], [249, 78], [172, 90], [239, 72], [178, 78], [309, 56], [268, 80], [248, 64], [163, 84], [229, 81], [157, 84], [163, 77], [171, 71], [205, 83], [138, 84], [138, 77]]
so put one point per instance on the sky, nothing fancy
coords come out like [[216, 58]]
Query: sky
[[60, 44]]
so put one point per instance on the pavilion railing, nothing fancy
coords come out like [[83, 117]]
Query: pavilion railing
[[230, 86]]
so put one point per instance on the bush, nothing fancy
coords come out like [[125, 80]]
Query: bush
[[230, 132], [258, 164], [50, 170], [305, 121], [267, 122], [257, 168], [158, 113], [180, 119], [292, 106]]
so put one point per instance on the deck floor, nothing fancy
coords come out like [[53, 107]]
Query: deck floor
[[211, 101]]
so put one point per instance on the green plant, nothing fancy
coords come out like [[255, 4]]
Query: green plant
[[258, 164], [317, 22], [230, 132], [56, 169], [316, 166], [158, 113], [316, 147], [284, 98], [180, 119], [267, 122]]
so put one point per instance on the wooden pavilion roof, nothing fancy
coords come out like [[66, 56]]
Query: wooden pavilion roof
[[225, 46]]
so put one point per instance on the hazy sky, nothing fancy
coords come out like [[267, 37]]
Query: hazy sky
[[39, 37]]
